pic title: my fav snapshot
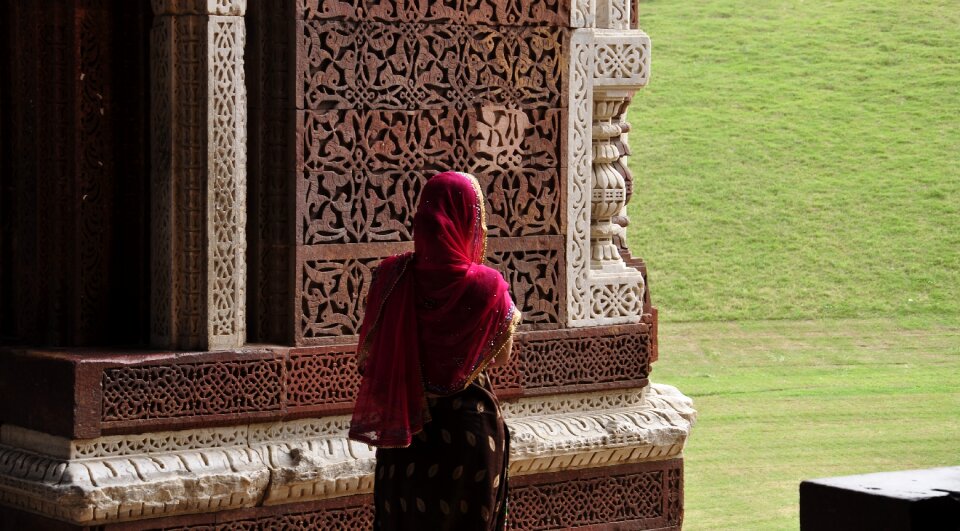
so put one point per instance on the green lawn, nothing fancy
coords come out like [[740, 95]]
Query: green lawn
[[799, 159], [798, 174], [783, 401]]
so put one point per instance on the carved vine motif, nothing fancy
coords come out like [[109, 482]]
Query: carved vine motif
[[333, 290], [373, 65], [363, 170], [582, 502], [332, 296], [534, 276], [509, 12]]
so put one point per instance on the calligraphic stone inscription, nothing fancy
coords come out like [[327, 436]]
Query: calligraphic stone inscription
[[215, 182]]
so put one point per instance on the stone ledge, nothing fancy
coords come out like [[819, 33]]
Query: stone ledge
[[122, 478]]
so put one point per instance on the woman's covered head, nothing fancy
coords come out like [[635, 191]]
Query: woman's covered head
[[449, 226]]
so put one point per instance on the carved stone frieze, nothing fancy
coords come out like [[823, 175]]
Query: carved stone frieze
[[497, 12], [130, 477]]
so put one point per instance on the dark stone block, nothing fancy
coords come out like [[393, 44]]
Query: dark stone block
[[910, 500]]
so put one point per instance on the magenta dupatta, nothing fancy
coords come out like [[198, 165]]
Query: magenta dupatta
[[434, 318]]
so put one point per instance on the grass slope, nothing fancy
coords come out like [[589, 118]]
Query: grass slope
[[799, 159], [783, 401]]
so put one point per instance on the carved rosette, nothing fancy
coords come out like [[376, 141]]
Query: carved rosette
[[199, 174], [607, 66]]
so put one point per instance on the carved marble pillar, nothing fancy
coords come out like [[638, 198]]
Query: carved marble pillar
[[607, 66], [199, 174]]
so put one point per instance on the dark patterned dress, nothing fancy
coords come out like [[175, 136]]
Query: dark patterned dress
[[454, 474]]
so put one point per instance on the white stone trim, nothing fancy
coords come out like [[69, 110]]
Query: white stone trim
[[119, 478], [605, 65]]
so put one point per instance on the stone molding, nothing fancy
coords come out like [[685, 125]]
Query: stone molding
[[120, 478]]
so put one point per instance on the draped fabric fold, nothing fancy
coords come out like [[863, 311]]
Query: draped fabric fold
[[434, 318]]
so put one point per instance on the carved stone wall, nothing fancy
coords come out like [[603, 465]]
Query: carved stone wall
[[74, 130], [383, 95], [353, 104]]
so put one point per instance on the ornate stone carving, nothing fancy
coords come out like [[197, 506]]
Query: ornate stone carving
[[129, 477], [199, 107], [495, 12], [185, 390], [606, 68]]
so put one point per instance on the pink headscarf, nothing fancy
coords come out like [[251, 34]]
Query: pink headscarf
[[434, 318]]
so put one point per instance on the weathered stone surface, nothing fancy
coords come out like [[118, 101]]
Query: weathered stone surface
[[130, 477]]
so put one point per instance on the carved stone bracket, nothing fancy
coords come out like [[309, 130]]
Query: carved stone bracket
[[606, 67], [199, 174], [131, 477]]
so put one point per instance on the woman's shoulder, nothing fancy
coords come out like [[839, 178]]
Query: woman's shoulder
[[395, 263], [487, 278]]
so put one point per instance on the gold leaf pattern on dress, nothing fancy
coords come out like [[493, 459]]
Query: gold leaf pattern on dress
[[457, 403], [410, 468], [403, 504], [479, 407], [478, 477], [432, 471], [446, 436], [457, 472], [493, 444], [496, 481], [471, 438], [444, 507], [464, 506], [386, 505], [421, 506], [392, 470], [485, 513]]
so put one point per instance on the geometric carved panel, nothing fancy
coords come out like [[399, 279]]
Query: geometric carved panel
[[592, 356], [321, 380], [640, 496], [374, 65], [148, 392]]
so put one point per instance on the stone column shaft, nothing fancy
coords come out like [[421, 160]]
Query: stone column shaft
[[199, 174]]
